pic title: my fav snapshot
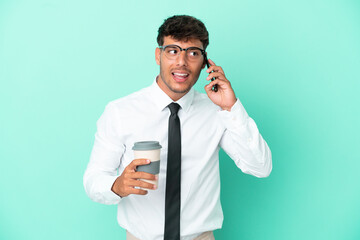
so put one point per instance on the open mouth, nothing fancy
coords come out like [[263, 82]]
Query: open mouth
[[180, 77]]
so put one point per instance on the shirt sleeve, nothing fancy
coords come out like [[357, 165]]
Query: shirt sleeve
[[243, 142], [105, 159]]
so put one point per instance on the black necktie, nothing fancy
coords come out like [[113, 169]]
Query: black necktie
[[173, 174]]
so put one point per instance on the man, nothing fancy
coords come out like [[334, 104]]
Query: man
[[205, 122]]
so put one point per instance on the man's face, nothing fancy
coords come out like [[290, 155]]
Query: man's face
[[179, 75]]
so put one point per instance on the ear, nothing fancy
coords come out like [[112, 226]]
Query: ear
[[203, 66], [204, 63], [157, 55]]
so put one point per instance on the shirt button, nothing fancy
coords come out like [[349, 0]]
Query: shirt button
[[249, 139], [234, 118]]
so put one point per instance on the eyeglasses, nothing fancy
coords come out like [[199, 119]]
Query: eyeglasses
[[173, 51]]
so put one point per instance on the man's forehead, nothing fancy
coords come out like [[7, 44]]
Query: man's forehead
[[188, 42]]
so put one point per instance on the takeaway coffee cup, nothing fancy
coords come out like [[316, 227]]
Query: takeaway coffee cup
[[148, 150]]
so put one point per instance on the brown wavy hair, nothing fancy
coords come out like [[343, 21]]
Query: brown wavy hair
[[183, 28]]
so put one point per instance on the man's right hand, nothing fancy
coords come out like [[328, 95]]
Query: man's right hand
[[125, 184]]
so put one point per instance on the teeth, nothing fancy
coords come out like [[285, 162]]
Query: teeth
[[181, 74]]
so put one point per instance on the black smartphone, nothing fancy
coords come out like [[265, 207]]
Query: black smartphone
[[215, 87]]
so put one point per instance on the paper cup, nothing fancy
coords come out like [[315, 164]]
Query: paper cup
[[148, 150]]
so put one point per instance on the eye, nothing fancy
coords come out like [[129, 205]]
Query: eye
[[172, 50], [194, 52]]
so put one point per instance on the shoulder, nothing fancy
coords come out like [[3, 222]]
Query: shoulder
[[130, 101]]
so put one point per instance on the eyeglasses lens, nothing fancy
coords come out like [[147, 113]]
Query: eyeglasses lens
[[192, 53]]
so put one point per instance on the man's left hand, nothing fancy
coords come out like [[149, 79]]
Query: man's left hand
[[225, 96]]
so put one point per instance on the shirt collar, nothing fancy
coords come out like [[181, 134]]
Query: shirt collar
[[162, 100]]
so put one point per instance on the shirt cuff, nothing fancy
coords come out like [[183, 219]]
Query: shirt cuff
[[108, 195], [236, 118]]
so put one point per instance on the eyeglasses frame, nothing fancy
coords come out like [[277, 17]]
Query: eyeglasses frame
[[185, 49]]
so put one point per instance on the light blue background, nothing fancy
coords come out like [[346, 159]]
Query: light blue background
[[295, 65]]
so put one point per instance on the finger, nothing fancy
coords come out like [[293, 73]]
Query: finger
[[217, 75], [215, 69], [142, 184], [211, 62], [143, 175], [136, 162], [221, 84], [131, 190]]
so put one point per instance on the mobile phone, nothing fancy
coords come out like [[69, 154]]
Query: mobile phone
[[215, 87]]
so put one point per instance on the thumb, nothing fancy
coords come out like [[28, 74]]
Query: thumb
[[208, 88]]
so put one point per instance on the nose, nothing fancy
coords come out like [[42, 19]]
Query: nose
[[181, 60]]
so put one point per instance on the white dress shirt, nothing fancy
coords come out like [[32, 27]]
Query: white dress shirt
[[205, 128]]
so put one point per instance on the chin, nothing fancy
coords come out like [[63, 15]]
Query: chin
[[180, 90]]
